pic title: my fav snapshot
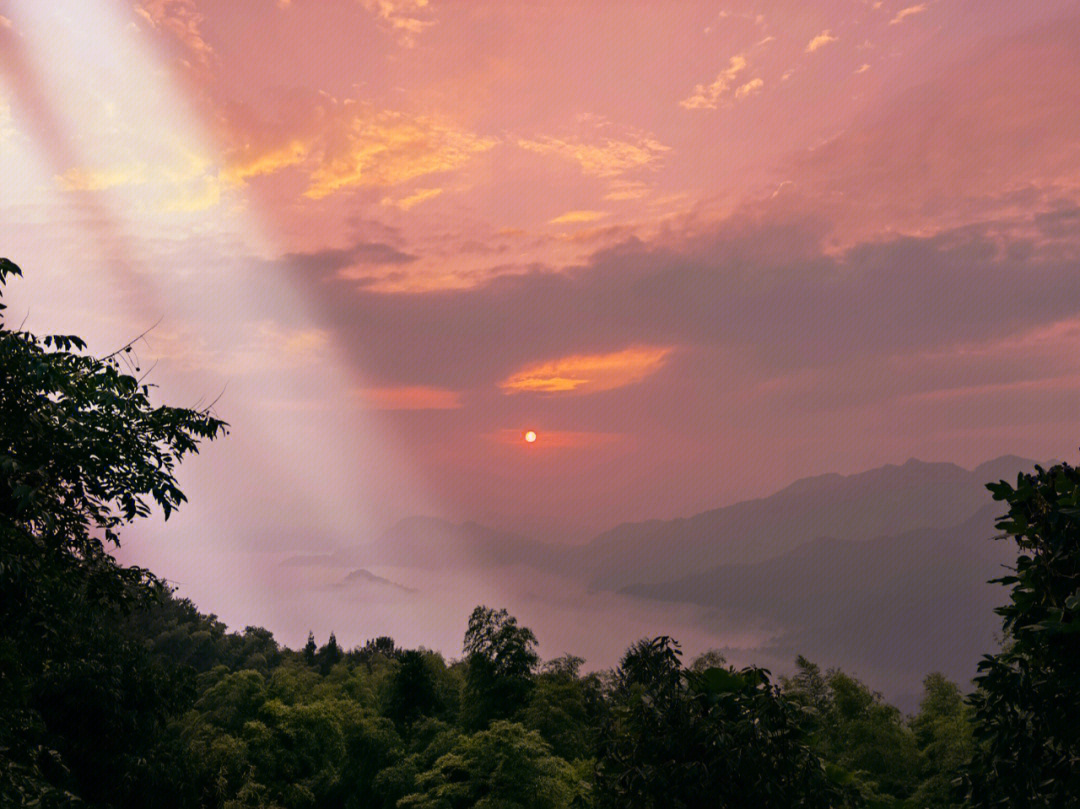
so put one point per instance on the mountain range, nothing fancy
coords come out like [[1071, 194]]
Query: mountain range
[[883, 572]]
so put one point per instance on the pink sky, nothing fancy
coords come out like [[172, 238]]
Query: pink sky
[[702, 249]]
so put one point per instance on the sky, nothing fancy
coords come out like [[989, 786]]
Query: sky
[[702, 249]]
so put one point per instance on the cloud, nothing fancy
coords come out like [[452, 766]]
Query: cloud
[[182, 19], [87, 179], [249, 162], [904, 13], [405, 18], [572, 217], [330, 260], [181, 181], [588, 373], [418, 196], [941, 152], [758, 284], [862, 68], [416, 397], [606, 158], [389, 148], [708, 96], [624, 190], [752, 87], [820, 41]]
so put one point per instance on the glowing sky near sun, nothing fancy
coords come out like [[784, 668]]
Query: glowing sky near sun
[[700, 248]]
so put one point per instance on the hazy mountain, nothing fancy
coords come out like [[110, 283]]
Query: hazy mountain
[[368, 581], [885, 501], [901, 605]]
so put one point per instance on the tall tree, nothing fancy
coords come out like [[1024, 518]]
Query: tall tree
[[1027, 715], [82, 452], [413, 693], [501, 657], [329, 655], [942, 730]]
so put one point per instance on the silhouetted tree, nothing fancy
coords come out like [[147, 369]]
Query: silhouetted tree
[[82, 453], [943, 734], [329, 655], [1027, 714], [413, 692], [500, 656], [713, 738], [310, 649]]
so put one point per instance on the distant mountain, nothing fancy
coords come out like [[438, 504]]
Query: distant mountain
[[886, 501], [905, 604], [368, 581]]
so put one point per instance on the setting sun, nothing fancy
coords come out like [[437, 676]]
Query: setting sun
[[530, 436]]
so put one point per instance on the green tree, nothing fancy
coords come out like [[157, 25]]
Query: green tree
[[563, 708], [501, 657], [1027, 714], [413, 691], [83, 451], [858, 734], [310, 649], [943, 734], [503, 767], [329, 655], [712, 738]]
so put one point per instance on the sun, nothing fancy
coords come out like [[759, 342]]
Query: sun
[[530, 436]]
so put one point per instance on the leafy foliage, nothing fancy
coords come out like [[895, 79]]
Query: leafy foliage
[[82, 452], [1027, 715], [501, 657], [710, 738], [503, 767]]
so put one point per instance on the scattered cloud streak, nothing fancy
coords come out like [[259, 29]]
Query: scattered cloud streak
[[820, 41], [577, 217], [709, 96], [904, 13], [406, 19], [390, 148], [605, 158], [588, 373]]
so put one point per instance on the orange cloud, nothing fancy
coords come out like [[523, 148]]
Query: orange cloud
[[182, 19], [907, 12], [609, 158], [405, 18], [410, 398], [588, 373], [750, 88], [571, 217], [707, 97], [390, 148], [252, 163], [623, 190], [420, 195], [86, 179], [820, 41]]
